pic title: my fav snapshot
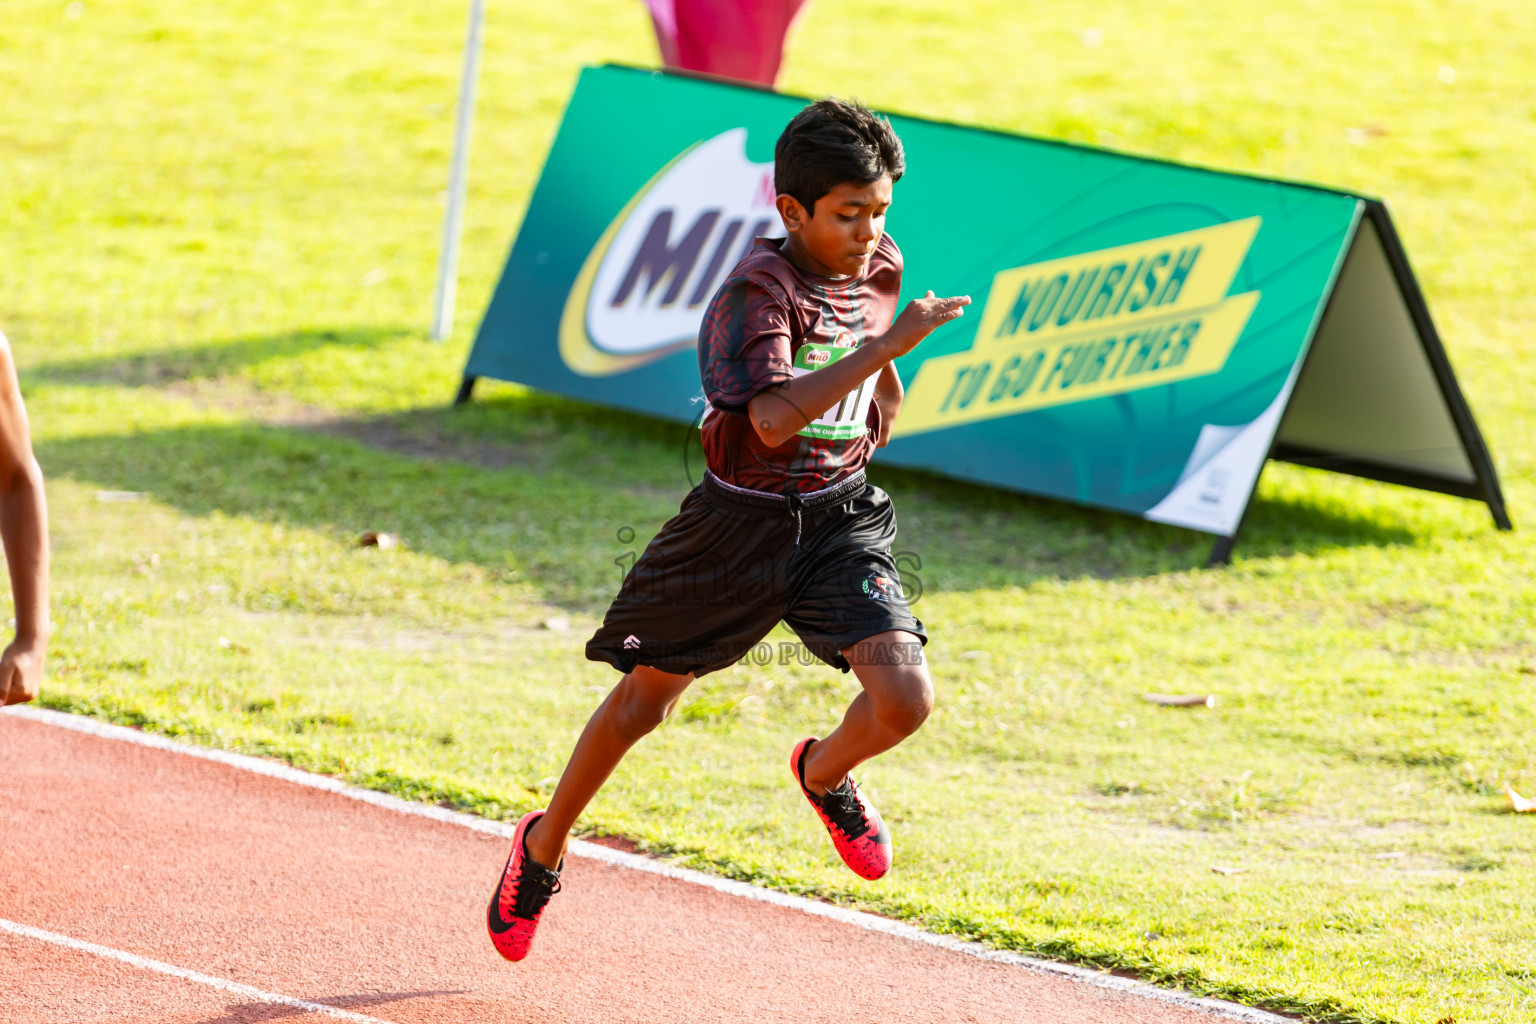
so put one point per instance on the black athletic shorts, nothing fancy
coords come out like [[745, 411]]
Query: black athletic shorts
[[732, 563]]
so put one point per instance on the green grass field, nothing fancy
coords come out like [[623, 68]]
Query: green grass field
[[219, 226]]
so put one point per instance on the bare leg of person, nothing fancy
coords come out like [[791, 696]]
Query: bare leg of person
[[641, 701], [896, 700]]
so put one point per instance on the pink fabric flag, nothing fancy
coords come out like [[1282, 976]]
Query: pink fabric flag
[[735, 38]]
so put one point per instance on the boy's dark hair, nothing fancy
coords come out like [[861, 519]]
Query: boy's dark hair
[[829, 143]]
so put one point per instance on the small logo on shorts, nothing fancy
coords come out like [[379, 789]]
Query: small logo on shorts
[[879, 587], [631, 643]]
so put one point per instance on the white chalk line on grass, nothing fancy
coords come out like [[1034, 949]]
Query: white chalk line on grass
[[636, 862], [232, 987]]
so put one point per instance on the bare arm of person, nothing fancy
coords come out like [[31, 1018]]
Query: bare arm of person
[[888, 396], [778, 412], [24, 530]]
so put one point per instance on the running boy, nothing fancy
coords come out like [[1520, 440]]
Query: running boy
[[795, 353]]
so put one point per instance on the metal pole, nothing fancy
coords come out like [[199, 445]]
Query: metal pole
[[458, 180]]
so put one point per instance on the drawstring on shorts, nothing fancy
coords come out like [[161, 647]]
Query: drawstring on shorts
[[796, 507]]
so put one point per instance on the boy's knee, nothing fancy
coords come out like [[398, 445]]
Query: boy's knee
[[636, 713], [905, 706]]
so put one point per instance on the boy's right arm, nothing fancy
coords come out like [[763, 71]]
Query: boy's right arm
[[24, 530], [780, 411]]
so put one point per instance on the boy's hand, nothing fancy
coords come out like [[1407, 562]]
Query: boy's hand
[[920, 319], [21, 669]]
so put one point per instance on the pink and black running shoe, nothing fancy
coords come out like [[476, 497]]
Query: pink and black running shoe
[[851, 820], [520, 896]]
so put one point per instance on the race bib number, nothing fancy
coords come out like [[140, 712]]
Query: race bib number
[[847, 419]]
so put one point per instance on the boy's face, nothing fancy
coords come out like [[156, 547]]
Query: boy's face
[[839, 239]]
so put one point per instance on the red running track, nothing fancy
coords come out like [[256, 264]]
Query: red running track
[[316, 897]]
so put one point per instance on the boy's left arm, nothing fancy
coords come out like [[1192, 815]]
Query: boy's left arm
[[888, 395]]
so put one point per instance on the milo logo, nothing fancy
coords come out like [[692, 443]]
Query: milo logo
[[818, 356], [642, 290]]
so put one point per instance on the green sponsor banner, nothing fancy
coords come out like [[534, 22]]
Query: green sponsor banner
[[1138, 327]]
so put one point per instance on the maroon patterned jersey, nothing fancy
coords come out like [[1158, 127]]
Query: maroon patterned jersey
[[771, 322]]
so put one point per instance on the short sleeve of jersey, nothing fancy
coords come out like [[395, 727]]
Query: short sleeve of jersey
[[745, 341]]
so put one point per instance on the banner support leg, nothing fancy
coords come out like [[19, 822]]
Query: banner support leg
[[1495, 500], [466, 391], [1221, 552]]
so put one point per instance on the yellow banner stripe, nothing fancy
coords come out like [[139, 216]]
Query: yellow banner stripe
[[989, 381], [1112, 287]]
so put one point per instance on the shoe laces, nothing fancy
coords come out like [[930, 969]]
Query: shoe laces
[[846, 810], [534, 889]]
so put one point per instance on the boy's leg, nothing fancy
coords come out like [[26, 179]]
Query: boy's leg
[[897, 697], [643, 698]]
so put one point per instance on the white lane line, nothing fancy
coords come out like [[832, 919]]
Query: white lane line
[[232, 987], [635, 862]]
